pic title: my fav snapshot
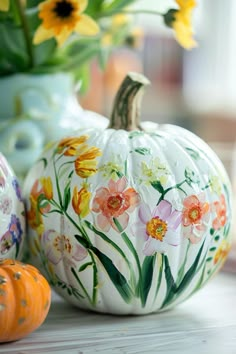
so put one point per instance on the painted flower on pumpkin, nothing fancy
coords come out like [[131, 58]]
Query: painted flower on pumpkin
[[219, 207], [17, 189], [80, 201], [115, 202], [180, 21], [4, 5], [6, 242], [58, 247], [46, 183], [5, 205], [69, 145], [195, 217], [61, 18], [222, 252], [86, 163], [34, 214], [13, 235], [158, 228], [154, 171]]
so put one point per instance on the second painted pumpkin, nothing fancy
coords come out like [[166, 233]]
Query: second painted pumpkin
[[126, 221]]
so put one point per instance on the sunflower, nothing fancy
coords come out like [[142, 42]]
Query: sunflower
[[180, 21], [4, 5], [60, 18]]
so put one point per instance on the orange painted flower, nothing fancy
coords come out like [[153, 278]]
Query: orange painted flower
[[180, 21], [222, 252], [80, 201], [195, 217], [115, 202], [70, 145], [61, 18], [220, 209], [86, 163]]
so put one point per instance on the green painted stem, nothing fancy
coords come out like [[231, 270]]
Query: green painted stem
[[126, 109], [81, 284]]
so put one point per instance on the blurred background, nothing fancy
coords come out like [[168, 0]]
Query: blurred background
[[194, 89]]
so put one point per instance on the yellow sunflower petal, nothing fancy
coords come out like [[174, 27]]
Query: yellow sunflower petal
[[184, 36], [82, 5], [4, 5], [86, 26], [42, 35], [62, 37]]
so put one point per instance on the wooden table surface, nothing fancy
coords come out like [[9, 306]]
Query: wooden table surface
[[206, 323]]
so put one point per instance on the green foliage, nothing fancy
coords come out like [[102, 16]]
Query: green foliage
[[18, 53]]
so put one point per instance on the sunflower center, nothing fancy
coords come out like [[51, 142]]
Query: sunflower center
[[156, 228], [63, 9], [114, 202], [194, 214]]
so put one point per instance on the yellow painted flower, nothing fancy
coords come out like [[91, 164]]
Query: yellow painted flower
[[80, 201], [71, 145], [215, 185], [47, 187], [222, 252], [60, 18], [34, 217], [85, 164], [180, 21], [4, 5]]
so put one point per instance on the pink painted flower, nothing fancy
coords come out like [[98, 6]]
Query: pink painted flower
[[58, 247], [115, 202], [158, 228], [195, 217], [219, 207]]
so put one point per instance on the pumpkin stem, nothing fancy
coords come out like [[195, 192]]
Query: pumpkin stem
[[126, 109]]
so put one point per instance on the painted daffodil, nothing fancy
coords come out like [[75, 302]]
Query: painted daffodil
[[180, 21], [60, 18]]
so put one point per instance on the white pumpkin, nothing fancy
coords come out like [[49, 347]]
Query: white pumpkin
[[126, 221], [12, 217]]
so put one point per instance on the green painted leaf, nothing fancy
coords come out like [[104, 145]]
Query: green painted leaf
[[147, 275], [116, 277], [217, 237], [209, 259], [67, 196], [190, 273], [195, 154], [85, 266], [170, 283], [108, 240], [157, 185], [212, 249], [143, 151], [45, 162], [135, 133], [212, 231]]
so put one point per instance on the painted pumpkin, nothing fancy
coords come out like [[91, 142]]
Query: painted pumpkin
[[25, 298], [12, 217], [126, 221]]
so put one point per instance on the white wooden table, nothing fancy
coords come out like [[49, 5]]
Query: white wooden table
[[206, 323]]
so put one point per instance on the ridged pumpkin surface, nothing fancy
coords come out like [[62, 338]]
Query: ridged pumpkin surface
[[129, 221]]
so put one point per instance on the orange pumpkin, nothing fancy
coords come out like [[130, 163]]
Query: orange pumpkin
[[25, 298]]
